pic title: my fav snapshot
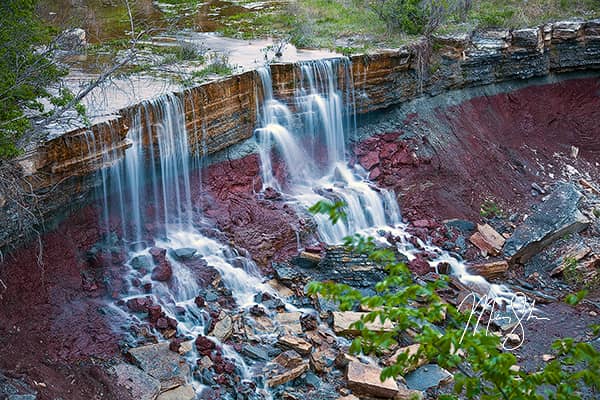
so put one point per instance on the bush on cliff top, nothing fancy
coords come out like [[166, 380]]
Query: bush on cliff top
[[26, 71]]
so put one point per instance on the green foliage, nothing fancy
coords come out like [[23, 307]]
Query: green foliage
[[575, 298], [26, 71], [483, 369], [490, 209], [495, 17], [335, 211], [405, 15]]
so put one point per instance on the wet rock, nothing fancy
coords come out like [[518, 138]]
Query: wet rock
[[551, 220], [370, 160], [489, 270], [142, 262], [295, 343], [427, 376], [288, 359], [223, 328], [139, 384], [288, 375], [419, 265], [272, 194], [309, 321], [15, 389], [185, 392], [163, 270], [343, 323], [161, 363], [364, 381], [199, 301], [487, 240], [185, 253], [255, 352], [287, 273], [139, 304], [322, 359], [204, 345], [307, 260]]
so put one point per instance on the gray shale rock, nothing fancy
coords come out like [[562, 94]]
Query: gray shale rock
[[138, 383], [551, 220]]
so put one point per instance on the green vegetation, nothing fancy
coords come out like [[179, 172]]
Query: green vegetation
[[26, 72], [482, 369], [490, 209], [579, 276], [358, 24]]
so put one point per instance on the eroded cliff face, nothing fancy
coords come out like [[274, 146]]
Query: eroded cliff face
[[222, 113]]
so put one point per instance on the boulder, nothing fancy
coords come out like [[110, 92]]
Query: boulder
[[288, 359], [427, 376], [364, 380], [71, 40], [162, 364], [410, 351], [138, 383], [143, 262], [551, 220], [487, 240], [289, 321], [185, 253]]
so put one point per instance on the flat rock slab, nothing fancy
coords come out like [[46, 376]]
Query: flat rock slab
[[288, 375], [551, 220], [342, 323], [185, 392], [427, 376], [162, 364], [138, 383]]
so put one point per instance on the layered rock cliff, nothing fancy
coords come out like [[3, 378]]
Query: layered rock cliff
[[222, 113]]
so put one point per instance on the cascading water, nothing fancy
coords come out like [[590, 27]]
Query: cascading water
[[149, 192], [311, 142], [322, 122]]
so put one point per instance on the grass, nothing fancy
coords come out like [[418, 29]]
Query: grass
[[350, 25], [345, 25], [522, 13]]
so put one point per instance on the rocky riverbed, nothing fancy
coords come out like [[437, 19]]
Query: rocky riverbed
[[72, 329]]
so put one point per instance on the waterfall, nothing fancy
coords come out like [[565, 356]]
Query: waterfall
[[149, 191], [312, 143]]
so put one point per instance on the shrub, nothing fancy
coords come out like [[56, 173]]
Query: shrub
[[26, 71]]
